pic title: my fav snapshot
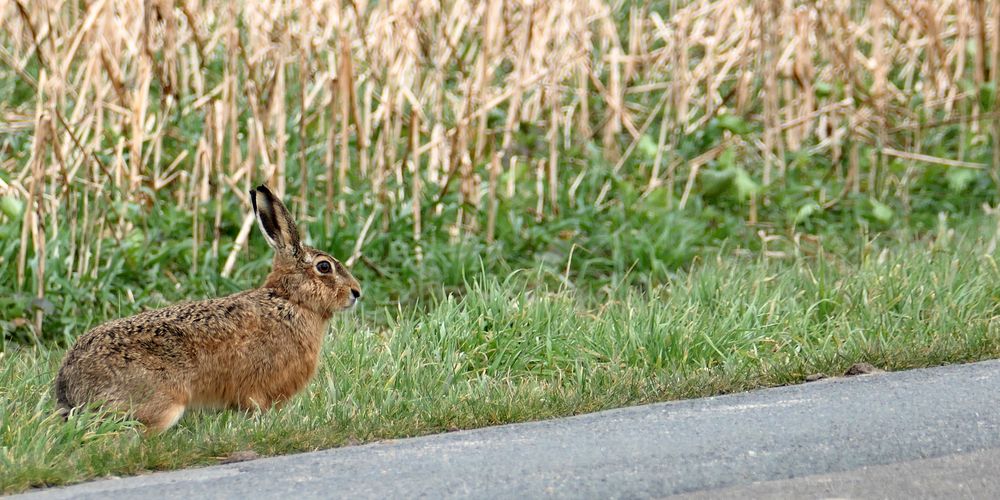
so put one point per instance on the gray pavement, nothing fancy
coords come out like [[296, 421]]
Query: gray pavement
[[965, 475], [918, 434]]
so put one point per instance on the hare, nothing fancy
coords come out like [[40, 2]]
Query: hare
[[253, 349]]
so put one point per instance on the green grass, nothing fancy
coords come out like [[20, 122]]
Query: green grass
[[518, 348]]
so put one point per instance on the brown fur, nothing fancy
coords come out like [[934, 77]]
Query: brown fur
[[253, 349]]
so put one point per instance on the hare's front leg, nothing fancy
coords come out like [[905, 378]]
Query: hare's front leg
[[160, 413]]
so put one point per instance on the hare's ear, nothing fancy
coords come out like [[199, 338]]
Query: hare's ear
[[275, 222]]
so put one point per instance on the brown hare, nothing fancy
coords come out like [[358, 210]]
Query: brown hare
[[253, 349]]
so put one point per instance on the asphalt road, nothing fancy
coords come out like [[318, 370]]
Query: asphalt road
[[916, 434]]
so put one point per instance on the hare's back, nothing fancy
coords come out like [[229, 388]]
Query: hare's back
[[174, 335]]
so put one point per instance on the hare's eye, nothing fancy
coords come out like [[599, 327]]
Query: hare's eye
[[324, 267]]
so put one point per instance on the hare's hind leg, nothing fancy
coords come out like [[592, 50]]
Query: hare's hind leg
[[161, 413]]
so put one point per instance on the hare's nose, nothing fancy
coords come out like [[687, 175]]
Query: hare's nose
[[356, 293]]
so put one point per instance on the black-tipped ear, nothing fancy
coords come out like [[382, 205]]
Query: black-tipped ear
[[275, 222]]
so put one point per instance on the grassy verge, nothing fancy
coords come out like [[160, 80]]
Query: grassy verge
[[510, 350]]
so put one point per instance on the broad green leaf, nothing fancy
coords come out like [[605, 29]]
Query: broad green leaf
[[727, 159], [881, 211], [823, 89], [11, 207], [734, 124], [987, 95], [959, 179], [715, 182], [744, 184], [806, 211], [647, 146]]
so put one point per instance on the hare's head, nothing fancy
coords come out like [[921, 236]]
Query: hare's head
[[309, 278]]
